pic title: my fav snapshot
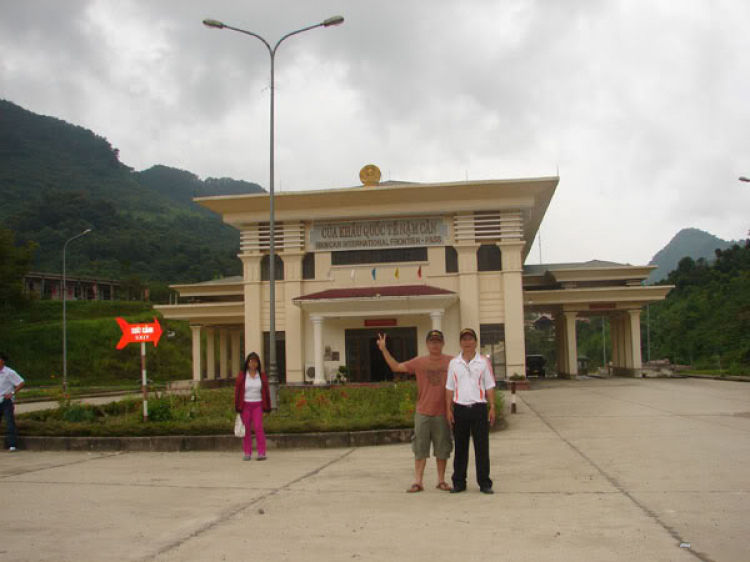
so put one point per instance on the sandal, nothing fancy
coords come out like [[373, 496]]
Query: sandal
[[415, 488], [444, 487]]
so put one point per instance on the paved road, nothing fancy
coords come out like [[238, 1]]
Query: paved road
[[601, 470]]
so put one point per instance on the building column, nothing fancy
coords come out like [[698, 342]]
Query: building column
[[253, 305], [620, 343], [635, 338], [571, 344], [515, 338], [210, 353], [223, 354], [614, 348], [628, 347], [295, 355], [468, 286], [317, 322], [196, 330], [236, 356], [437, 319]]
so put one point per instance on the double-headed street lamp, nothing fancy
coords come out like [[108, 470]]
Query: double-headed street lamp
[[272, 371], [64, 299]]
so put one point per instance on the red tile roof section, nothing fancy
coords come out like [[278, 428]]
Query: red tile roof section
[[371, 292]]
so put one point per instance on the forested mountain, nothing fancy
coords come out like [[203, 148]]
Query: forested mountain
[[57, 179], [688, 242], [705, 320]]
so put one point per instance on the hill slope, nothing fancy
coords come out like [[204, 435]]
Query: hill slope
[[688, 242], [57, 179]]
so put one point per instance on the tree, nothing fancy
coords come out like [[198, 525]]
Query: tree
[[14, 264]]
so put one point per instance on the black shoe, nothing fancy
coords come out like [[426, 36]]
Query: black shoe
[[457, 490], [487, 490]]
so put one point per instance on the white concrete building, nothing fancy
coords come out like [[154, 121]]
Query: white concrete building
[[401, 258]]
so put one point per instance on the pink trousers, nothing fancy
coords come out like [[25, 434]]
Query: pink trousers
[[252, 417]]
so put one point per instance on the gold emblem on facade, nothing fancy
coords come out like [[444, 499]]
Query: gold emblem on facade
[[370, 175]]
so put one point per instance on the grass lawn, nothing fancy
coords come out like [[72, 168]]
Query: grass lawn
[[718, 373], [211, 412]]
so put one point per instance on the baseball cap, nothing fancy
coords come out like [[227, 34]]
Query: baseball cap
[[467, 332], [432, 334]]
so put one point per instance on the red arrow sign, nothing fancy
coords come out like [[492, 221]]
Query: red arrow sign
[[137, 333]]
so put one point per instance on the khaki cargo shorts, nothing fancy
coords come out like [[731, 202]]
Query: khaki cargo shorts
[[431, 429]]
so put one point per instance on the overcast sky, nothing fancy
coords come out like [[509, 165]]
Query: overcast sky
[[642, 105]]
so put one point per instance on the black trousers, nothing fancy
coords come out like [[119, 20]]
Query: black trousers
[[7, 411], [471, 421]]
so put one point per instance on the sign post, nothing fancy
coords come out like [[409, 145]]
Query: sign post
[[140, 333]]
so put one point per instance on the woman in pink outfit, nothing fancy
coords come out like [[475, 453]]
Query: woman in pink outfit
[[251, 399]]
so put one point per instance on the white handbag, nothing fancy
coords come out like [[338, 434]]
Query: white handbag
[[239, 427]]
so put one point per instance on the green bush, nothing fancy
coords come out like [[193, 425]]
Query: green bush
[[211, 412], [78, 413]]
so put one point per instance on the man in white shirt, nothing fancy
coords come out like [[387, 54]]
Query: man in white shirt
[[10, 383], [470, 404]]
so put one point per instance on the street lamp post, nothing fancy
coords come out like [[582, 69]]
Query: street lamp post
[[64, 319], [272, 371]]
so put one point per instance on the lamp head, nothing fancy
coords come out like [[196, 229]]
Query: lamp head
[[216, 24], [334, 20], [743, 178]]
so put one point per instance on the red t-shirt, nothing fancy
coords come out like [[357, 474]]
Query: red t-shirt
[[431, 376]]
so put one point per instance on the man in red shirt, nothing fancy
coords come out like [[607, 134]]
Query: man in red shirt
[[430, 423]]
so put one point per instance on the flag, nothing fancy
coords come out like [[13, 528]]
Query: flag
[[396, 273], [373, 272], [419, 272]]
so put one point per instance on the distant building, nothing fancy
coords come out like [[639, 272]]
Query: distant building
[[401, 258], [543, 322], [49, 286]]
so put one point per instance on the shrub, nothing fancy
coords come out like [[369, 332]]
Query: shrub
[[211, 412], [77, 413]]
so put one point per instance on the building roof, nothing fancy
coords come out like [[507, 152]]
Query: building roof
[[530, 196], [220, 281], [376, 292], [542, 268]]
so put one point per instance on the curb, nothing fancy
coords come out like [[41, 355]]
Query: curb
[[185, 443]]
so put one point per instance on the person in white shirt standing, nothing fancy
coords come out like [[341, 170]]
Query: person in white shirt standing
[[470, 404], [10, 383]]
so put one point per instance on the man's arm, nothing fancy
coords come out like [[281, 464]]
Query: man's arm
[[449, 406], [491, 400], [395, 366], [18, 387], [449, 381]]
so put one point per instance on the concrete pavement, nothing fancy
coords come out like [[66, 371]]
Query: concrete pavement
[[602, 470]]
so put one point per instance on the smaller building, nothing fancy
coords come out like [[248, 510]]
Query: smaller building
[[49, 286]]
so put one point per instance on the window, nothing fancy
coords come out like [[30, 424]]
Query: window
[[386, 255], [308, 266], [451, 260], [489, 258], [278, 271]]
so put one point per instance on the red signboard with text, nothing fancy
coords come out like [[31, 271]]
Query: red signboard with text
[[380, 322], [138, 333]]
